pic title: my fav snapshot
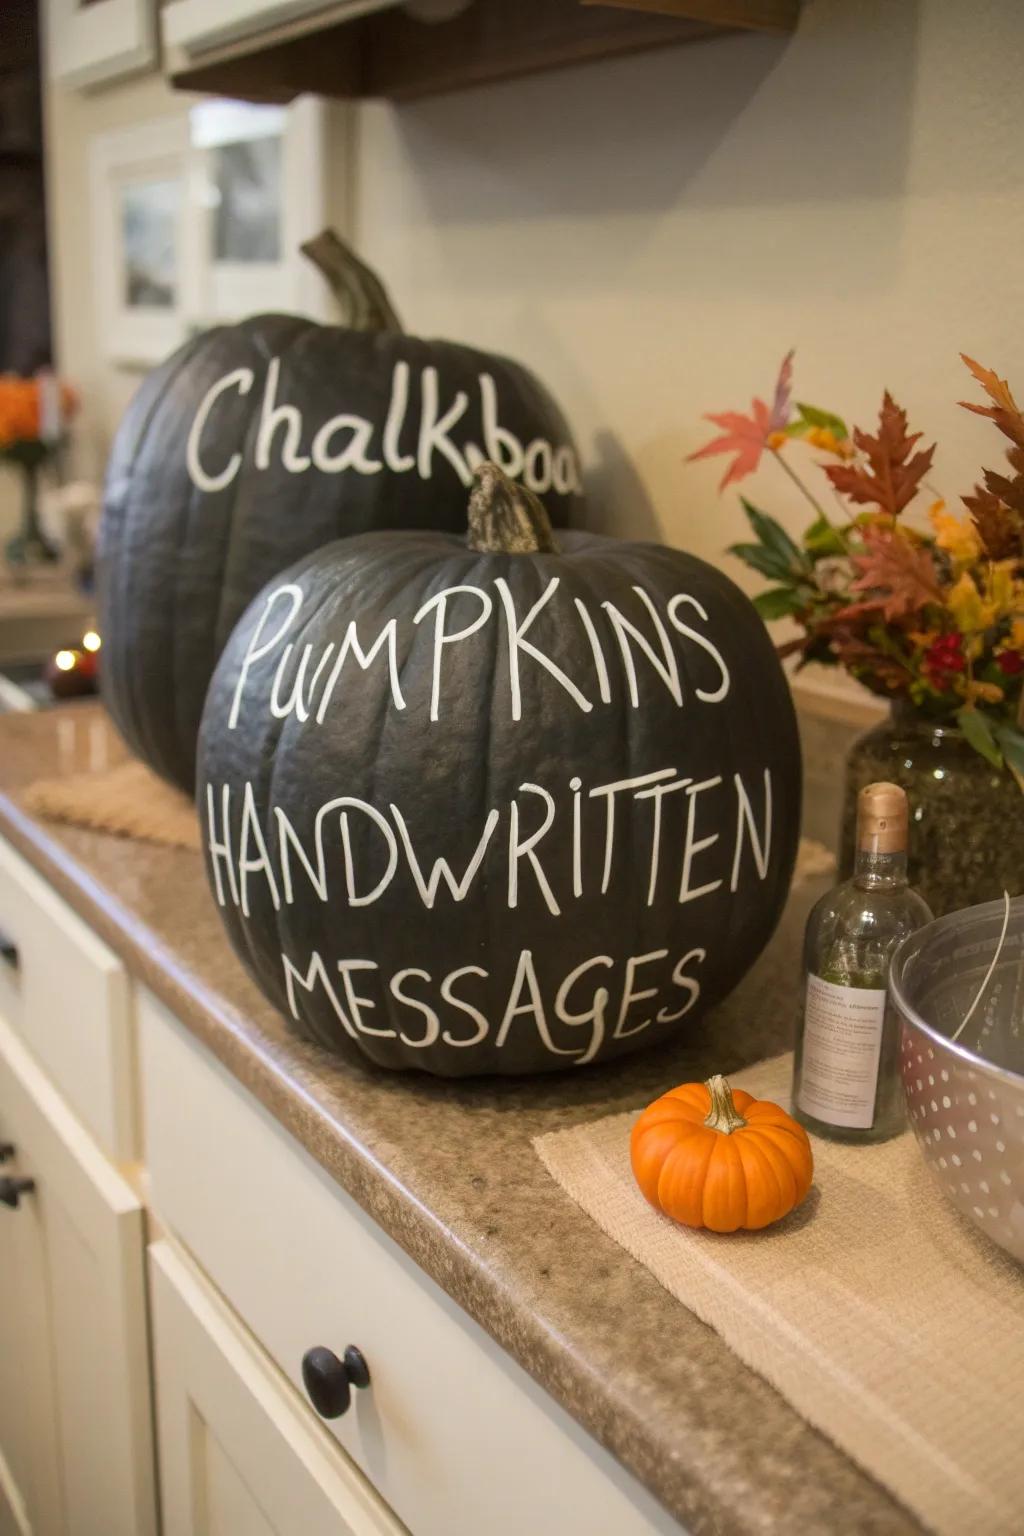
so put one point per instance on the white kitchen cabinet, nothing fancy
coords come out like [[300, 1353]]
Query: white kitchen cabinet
[[75, 1420], [451, 1432], [240, 1453]]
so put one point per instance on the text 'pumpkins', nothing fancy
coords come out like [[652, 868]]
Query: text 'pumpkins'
[[259, 442], [498, 805]]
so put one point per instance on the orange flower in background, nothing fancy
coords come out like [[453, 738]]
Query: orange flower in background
[[19, 409], [21, 403]]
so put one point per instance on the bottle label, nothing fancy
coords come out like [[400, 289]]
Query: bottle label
[[842, 1045]]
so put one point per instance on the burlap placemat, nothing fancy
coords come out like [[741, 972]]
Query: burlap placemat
[[874, 1309], [128, 801]]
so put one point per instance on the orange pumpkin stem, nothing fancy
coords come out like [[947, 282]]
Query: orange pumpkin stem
[[724, 1115]]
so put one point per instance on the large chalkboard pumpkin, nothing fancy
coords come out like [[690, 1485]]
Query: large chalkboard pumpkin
[[498, 805], [257, 443]]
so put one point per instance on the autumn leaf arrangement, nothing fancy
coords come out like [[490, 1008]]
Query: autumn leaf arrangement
[[918, 603]]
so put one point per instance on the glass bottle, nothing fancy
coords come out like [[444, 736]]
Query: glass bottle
[[846, 1076]]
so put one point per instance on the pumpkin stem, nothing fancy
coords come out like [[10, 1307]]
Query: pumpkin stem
[[362, 297], [724, 1116], [505, 518]]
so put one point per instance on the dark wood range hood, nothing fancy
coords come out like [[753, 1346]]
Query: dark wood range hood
[[430, 46]]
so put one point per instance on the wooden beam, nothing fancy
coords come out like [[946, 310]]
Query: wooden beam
[[755, 15]]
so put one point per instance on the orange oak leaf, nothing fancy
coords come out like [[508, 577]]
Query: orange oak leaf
[[899, 575], [747, 436], [892, 475], [1004, 410]]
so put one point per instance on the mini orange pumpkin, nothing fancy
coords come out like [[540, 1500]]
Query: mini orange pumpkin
[[709, 1157]]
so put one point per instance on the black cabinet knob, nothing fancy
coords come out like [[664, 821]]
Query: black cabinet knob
[[328, 1380], [9, 952], [6, 1151], [11, 1190]]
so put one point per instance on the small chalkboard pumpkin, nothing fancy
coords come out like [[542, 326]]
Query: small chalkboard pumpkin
[[502, 804], [259, 442]]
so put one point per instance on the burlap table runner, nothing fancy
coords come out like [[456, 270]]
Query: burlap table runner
[[128, 800], [874, 1309]]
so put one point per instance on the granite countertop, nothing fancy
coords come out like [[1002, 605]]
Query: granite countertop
[[449, 1172]]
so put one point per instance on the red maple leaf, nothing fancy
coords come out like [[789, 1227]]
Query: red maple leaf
[[899, 574], [891, 477], [747, 436]]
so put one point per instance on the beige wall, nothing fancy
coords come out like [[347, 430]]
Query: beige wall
[[653, 233]]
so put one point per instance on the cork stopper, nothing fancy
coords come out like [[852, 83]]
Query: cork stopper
[[883, 817]]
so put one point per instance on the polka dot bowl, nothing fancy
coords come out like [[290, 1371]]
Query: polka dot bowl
[[965, 1097]]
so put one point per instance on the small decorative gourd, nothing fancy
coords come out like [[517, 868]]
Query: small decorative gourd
[[710, 1157]]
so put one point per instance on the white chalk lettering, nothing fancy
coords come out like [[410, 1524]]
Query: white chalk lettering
[[432, 1027], [524, 850], [434, 431], [296, 704], [442, 870], [543, 464], [657, 793], [350, 646], [354, 454], [480, 1019], [631, 996], [760, 843], [397, 461], [258, 647], [609, 791], [532, 1006], [220, 848], [273, 416], [689, 984], [439, 606], [252, 832], [242, 380], [316, 972], [719, 693], [516, 643], [694, 844], [665, 665], [594, 1015], [356, 1003], [501, 446]]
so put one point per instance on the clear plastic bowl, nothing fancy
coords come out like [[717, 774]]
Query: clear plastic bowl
[[965, 1098]]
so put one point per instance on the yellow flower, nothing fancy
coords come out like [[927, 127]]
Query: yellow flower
[[956, 535], [776, 440], [825, 439], [1005, 593], [1015, 641], [969, 609], [985, 693]]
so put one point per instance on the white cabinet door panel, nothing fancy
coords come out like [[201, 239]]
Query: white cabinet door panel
[[240, 1453], [79, 1266], [69, 996]]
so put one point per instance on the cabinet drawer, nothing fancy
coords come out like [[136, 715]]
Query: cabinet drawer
[[69, 997], [453, 1434], [235, 1441]]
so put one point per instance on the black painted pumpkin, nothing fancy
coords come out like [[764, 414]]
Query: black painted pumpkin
[[497, 806], [257, 443]]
